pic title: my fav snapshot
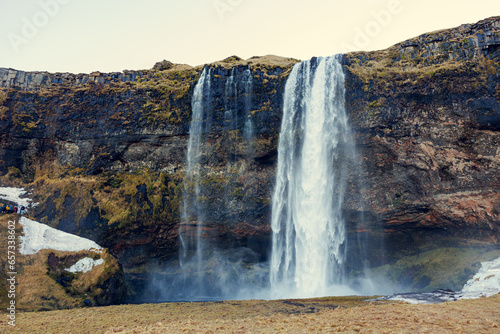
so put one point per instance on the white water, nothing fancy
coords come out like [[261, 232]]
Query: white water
[[308, 229], [192, 210], [485, 283], [238, 88], [248, 128], [207, 271]]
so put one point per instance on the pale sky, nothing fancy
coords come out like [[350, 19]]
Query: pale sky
[[82, 36]]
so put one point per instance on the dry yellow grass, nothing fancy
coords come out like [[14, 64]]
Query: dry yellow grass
[[36, 289], [296, 316]]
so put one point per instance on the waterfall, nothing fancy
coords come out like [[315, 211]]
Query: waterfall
[[220, 128], [248, 128], [238, 101], [237, 106], [192, 209], [308, 232], [317, 163]]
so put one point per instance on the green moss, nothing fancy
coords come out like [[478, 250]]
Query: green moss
[[3, 96], [375, 104], [14, 173], [261, 200], [238, 193], [447, 267], [116, 197]]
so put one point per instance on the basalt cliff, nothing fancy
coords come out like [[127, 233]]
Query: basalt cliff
[[105, 156]]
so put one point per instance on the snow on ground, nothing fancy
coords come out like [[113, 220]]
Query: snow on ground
[[39, 236], [485, 283], [14, 195], [438, 296], [84, 265]]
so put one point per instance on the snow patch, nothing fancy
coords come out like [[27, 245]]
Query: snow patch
[[485, 283], [14, 195], [438, 296], [84, 265], [39, 236]]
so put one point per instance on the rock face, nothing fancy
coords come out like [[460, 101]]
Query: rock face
[[106, 160], [427, 117], [105, 153], [37, 81]]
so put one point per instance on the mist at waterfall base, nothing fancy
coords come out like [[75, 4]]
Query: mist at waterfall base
[[309, 240], [316, 154]]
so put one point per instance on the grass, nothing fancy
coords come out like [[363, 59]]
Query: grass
[[440, 268], [114, 195], [447, 57], [3, 108], [332, 314], [37, 288]]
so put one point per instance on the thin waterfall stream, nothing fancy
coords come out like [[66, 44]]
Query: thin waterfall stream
[[192, 207], [208, 270]]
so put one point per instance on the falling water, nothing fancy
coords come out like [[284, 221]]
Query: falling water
[[209, 271], [309, 241], [192, 209], [248, 128], [309, 238], [231, 99]]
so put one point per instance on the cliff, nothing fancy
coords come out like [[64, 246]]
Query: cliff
[[426, 117], [106, 159], [105, 154]]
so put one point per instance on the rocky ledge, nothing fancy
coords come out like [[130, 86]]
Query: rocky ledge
[[105, 154], [55, 270]]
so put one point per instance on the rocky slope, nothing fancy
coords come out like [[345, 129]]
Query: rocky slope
[[426, 116], [48, 276], [105, 154]]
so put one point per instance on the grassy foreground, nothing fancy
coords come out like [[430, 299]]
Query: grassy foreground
[[325, 315]]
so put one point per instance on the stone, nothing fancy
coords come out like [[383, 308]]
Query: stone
[[424, 114]]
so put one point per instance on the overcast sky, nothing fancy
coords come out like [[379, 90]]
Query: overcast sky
[[82, 36]]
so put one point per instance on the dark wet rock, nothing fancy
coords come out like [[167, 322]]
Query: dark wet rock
[[424, 114]]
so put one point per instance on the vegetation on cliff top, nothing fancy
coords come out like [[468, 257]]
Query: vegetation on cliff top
[[464, 60], [157, 101], [155, 98]]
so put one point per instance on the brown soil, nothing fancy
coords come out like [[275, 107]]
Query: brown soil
[[340, 314]]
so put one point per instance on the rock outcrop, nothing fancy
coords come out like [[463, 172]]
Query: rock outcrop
[[49, 279], [427, 117], [105, 153]]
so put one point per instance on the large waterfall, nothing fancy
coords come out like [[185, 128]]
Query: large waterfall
[[309, 238]]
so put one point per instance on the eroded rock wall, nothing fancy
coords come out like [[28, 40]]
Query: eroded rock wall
[[105, 153], [426, 118]]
